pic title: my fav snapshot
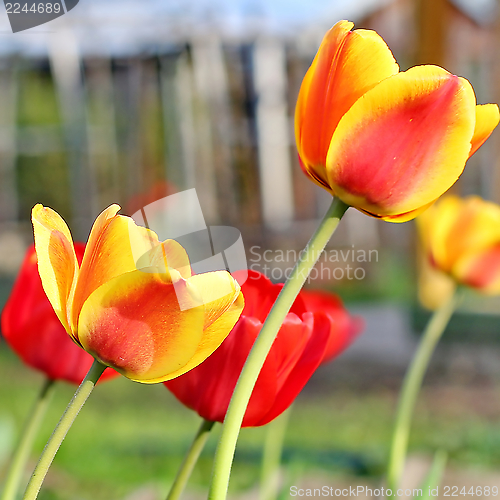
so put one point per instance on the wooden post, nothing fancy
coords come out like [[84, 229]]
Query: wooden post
[[172, 135], [495, 77], [273, 131], [101, 130], [432, 18], [9, 209], [65, 65], [209, 84], [134, 158]]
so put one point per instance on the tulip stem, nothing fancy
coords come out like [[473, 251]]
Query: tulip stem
[[62, 428], [411, 388], [23, 449], [248, 377], [190, 460], [271, 457]]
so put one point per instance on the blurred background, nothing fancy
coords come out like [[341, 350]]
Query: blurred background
[[128, 101]]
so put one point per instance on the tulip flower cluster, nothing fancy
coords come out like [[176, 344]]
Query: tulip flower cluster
[[386, 142]]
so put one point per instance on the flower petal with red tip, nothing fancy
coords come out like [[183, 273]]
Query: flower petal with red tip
[[404, 142], [134, 323], [347, 65], [487, 118], [57, 262], [33, 331]]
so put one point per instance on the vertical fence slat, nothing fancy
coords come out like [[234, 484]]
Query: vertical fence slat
[[173, 155], [206, 149], [101, 130], [273, 133], [65, 65], [9, 204]]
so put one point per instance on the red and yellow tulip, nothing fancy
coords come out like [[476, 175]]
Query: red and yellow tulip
[[386, 142], [150, 322], [461, 237]]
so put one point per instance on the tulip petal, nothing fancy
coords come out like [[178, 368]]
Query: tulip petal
[[289, 345], [114, 245], [404, 217], [480, 270], [208, 388], [214, 335], [220, 295], [262, 293], [457, 228], [404, 142], [134, 324], [476, 227], [32, 329], [165, 256], [218, 290], [347, 64], [434, 229], [57, 263], [308, 362], [344, 328], [487, 118]]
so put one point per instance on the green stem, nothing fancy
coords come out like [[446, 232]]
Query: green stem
[[190, 460], [239, 401], [411, 387], [62, 428], [22, 453], [271, 458], [434, 475]]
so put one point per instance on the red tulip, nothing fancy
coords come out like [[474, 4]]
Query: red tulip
[[305, 340], [32, 329]]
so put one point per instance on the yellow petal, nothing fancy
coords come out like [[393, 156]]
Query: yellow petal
[[405, 217], [487, 117], [404, 142], [477, 226], [57, 263], [434, 286], [218, 290], [435, 225], [455, 229], [346, 65], [214, 335], [115, 244], [167, 256], [134, 324]]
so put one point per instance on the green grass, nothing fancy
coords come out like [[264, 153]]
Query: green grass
[[129, 435]]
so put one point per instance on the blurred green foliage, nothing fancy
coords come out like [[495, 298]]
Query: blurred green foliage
[[391, 278]]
